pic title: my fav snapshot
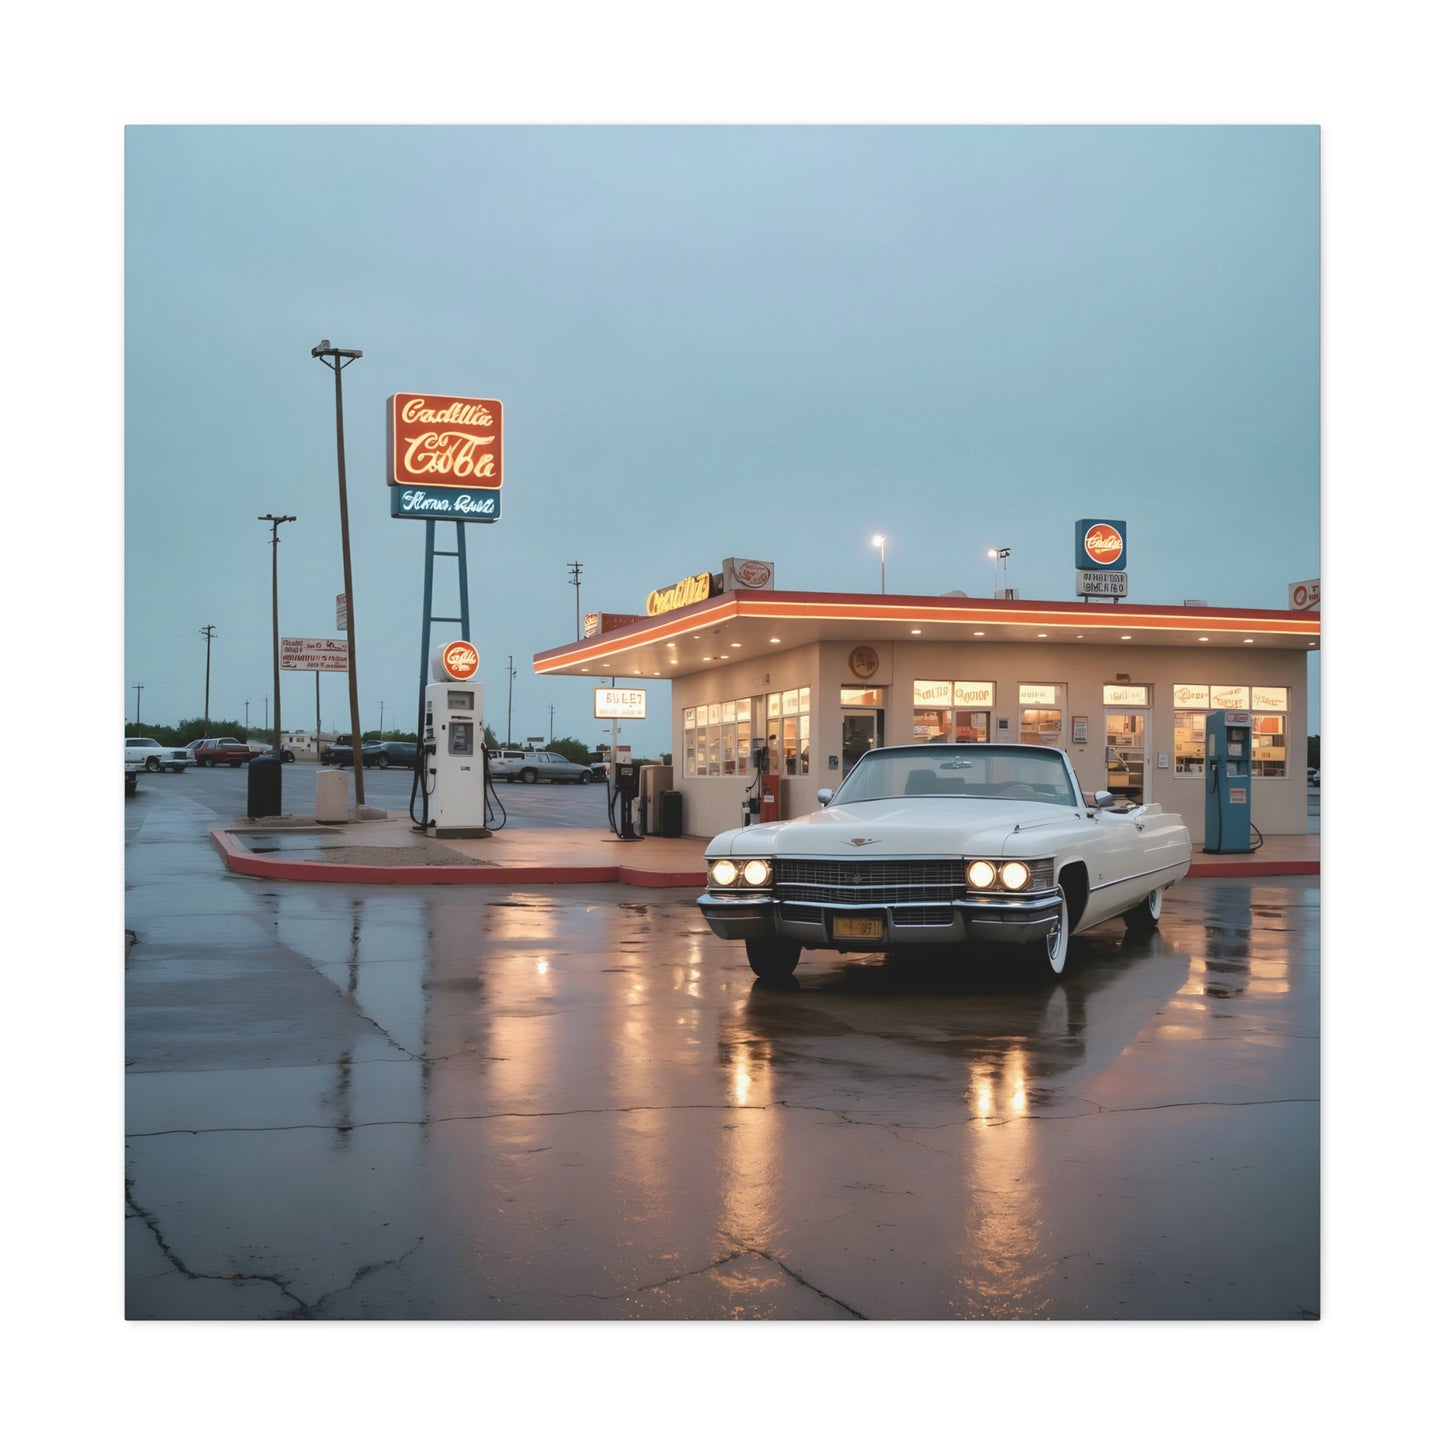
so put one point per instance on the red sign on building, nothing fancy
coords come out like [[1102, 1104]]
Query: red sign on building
[[444, 441]]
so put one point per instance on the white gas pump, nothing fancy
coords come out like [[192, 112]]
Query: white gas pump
[[453, 746]]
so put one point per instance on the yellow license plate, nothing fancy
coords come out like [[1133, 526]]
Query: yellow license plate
[[858, 928]]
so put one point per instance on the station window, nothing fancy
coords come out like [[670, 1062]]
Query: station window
[[1041, 714], [717, 738], [1268, 708], [790, 723], [952, 711]]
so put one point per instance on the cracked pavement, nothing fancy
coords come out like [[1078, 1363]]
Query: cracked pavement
[[563, 1103]]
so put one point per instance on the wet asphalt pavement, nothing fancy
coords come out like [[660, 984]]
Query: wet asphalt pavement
[[574, 1103]]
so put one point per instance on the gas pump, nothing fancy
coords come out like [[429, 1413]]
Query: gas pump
[[753, 798], [453, 748], [1227, 752], [768, 806], [625, 778]]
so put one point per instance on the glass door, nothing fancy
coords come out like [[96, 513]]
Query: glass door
[[862, 729], [1127, 752]]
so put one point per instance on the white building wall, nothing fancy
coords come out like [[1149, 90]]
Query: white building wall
[[1279, 805]]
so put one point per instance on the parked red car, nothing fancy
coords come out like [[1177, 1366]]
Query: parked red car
[[232, 751]]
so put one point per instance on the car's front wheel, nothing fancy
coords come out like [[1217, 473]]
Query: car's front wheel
[[1144, 917], [528, 775], [773, 959], [584, 777], [1053, 950], [384, 761], [153, 765]]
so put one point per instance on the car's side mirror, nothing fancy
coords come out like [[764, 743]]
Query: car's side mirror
[[825, 796], [1103, 798]]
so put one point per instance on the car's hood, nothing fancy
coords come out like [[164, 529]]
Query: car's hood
[[895, 827]]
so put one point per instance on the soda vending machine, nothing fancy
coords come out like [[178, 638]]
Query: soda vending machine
[[1227, 749]]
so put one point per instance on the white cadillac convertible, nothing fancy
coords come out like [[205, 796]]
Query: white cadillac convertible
[[944, 845]]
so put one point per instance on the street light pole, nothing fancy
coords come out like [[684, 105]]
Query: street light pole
[[511, 673], [275, 639], [137, 686], [881, 542], [338, 360]]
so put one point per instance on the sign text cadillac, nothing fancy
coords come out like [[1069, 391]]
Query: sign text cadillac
[[444, 457]]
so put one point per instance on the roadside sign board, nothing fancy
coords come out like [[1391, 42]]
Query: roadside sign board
[[314, 654], [623, 702]]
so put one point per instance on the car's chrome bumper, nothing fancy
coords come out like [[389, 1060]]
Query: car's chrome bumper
[[973, 919]]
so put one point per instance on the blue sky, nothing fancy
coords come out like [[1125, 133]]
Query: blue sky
[[766, 341]]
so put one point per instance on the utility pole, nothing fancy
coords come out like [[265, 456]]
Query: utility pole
[[137, 686], [208, 632], [275, 634], [576, 570], [381, 724], [511, 673], [338, 360], [551, 726], [248, 719]]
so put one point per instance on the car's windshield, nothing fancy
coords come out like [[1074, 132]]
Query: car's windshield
[[970, 770]]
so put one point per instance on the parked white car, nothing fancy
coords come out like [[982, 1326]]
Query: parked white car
[[514, 766], [154, 758], [944, 846]]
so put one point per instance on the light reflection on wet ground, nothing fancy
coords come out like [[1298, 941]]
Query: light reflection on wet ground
[[575, 1103]]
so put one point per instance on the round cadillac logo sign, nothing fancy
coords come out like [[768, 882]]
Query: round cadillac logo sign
[[1103, 544], [863, 662], [460, 660]]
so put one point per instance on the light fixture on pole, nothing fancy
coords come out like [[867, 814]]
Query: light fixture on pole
[[881, 542], [275, 639], [338, 359], [999, 554]]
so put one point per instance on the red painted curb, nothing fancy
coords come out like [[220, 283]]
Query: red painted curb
[[239, 859], [1253, 870]]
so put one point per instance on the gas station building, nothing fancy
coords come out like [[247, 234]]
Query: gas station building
[[1124, 688]]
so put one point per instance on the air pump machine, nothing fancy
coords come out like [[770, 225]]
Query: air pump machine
[[453, 749]]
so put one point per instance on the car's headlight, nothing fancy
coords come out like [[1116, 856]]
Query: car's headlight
[[757, 873], [984, 874], [1015, 875], [754, 873]]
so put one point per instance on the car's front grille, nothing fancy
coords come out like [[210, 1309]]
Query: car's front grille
[[870, 880], [884, 881]]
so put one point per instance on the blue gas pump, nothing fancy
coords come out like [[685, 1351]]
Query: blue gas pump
[[1227, 782]]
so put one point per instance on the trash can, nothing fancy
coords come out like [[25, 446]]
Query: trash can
[[670, 815], [263, 788], [333, 799]]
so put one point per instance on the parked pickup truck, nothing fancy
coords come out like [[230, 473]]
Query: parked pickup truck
[[150, 755], [231, 751]]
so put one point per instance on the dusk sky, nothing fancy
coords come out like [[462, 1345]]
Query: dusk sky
[[765, 342]]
